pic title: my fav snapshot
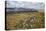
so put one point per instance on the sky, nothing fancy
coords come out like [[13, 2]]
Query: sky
[[24, 4]]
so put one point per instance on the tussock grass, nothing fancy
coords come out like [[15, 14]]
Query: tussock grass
[[27, 20]]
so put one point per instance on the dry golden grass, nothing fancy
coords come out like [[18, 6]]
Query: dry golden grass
[[13, 19]]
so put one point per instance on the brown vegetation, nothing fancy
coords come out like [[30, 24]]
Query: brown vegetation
[[27, 20]]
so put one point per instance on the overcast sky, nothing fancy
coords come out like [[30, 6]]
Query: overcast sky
[[18, 4]]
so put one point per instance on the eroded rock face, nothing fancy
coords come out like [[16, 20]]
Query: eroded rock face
[[25, 20]]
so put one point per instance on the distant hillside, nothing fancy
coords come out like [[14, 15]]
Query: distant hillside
[[20, 10], [41, 10]]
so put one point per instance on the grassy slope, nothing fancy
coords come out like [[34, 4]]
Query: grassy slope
[[24, 20]]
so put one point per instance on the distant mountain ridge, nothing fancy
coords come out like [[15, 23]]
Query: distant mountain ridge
[[20, 10]]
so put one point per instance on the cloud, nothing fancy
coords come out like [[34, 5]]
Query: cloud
[[13, 4]]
